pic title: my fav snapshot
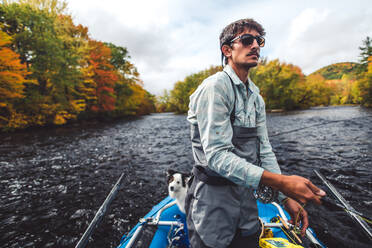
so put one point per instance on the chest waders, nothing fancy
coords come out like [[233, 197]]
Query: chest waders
[[216, 207]]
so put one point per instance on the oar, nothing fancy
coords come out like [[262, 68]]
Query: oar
[[331, 204], [99, 215], [349, 209]]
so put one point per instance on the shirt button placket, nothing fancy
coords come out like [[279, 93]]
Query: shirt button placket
[[246, 107], [245, 104]]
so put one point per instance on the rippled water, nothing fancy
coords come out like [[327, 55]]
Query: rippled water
[[52, 181]]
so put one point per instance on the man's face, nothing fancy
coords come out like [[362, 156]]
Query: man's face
[[245, 56]]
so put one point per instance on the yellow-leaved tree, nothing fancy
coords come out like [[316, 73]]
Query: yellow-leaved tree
[[279, 83]]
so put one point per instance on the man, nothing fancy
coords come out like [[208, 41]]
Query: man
[[232, 152]]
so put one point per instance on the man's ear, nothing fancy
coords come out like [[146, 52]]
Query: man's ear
[[226, 50]]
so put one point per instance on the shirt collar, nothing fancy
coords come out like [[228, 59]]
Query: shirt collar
[[236, 80], [253, 87]]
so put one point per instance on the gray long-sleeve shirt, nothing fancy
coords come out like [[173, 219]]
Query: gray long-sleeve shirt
[[210, 108]]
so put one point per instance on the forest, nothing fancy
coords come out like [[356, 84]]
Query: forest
[[52, 72], [285, 87]]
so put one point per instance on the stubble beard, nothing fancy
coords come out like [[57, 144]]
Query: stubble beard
[[248, 66]]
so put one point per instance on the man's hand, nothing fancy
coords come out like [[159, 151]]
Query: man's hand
[[297, 213], [301, 189], [296, 187]]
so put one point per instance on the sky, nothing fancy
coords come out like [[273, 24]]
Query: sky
[[168, 40]]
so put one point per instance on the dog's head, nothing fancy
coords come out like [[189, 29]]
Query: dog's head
[[176, 180]]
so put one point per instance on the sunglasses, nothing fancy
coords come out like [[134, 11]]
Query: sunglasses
[[247, 40]]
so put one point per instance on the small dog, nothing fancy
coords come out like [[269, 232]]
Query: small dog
[[177, 187]]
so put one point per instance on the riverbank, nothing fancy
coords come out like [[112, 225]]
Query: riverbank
[[86, 122]]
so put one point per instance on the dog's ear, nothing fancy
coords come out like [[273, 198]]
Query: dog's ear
[[186, 174], [170, 174], [185, 178]]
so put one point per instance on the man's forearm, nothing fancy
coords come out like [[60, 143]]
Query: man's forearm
[[273, 180], [296, 187]]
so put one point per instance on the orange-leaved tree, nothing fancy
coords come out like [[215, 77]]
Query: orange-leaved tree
[[12, 79], [103, 75]]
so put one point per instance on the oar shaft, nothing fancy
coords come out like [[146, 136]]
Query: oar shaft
[[350, 209], [331, 204], [99, 215]]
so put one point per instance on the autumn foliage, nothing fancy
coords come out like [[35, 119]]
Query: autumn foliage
[[104, 76], [284, 86], [52, 71], [12, 81]]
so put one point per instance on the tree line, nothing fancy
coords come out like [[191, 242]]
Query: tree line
[[285, 86], [52, 71]]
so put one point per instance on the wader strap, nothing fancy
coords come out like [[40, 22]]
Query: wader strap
[[232, 114], [200, 173]]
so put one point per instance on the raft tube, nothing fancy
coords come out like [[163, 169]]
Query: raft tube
[[165, 226]]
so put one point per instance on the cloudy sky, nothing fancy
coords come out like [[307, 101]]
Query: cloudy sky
[[170, 39]]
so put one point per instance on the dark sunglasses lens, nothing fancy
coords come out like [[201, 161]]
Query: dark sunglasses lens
[[247, 40], [261, 41]]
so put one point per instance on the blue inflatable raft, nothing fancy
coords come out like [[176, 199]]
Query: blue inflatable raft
[[165, 226]]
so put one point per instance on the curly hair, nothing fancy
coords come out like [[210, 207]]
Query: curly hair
[[231, 30]]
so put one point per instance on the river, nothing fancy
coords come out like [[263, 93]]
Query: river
[[53, 180]]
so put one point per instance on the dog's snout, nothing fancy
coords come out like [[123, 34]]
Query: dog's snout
[[171, 188]]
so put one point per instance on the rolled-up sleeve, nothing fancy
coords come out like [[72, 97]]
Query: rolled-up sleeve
[[213, 106], [267, 156]]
